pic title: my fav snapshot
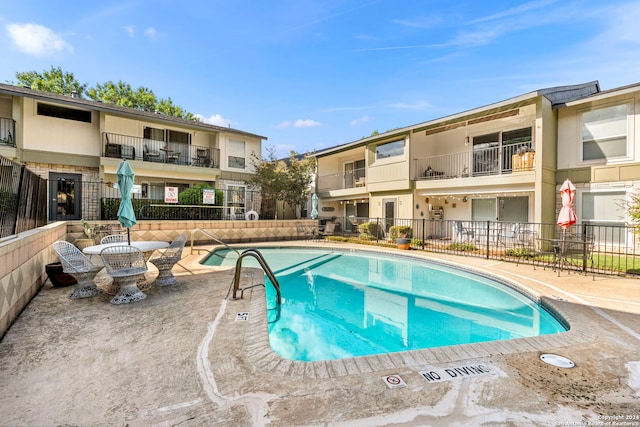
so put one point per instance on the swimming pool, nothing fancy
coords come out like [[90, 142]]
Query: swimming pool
[[339, 304]]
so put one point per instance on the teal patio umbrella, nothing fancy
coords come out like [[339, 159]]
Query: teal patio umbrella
[[314, 205], [126, 215]]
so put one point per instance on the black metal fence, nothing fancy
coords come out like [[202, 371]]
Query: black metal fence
[[23, 199], [101, 200], [587, 247]]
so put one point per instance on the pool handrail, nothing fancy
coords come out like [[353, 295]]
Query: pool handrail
[[211, 236], [263, 263]]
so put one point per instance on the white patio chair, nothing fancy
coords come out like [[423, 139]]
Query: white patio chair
[[165, 259], [305, 232], [125, 264], [462, 232], [75, 263], [114, 238]]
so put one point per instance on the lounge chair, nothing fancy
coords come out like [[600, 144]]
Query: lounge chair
[[165, 259], [125, 264], [329, 229], [462, 232], [305, 232], [75, 263], [114, 238]]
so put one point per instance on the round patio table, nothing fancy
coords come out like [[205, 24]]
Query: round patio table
[[146, 246]]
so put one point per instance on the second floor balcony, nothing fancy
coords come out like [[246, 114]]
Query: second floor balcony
[[478, 162], [355, 178], [150, 150]]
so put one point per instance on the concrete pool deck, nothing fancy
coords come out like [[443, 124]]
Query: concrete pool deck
[[186, 356]]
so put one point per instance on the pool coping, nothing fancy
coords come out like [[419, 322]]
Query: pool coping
[[259, 352]]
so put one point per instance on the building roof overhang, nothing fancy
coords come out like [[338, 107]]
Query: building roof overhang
[[117, 110]]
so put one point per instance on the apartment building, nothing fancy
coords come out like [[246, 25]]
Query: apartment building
[[69, 141], [599, 150], [496, 162]]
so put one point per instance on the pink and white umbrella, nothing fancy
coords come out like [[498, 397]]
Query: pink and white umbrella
[[567, 217]]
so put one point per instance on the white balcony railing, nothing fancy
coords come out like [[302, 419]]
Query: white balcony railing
[[479, 162], [343, 180]]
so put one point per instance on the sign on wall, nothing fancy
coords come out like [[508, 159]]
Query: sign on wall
[[208, 196], [171, 194]]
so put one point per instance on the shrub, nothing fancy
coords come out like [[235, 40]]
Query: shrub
[[399, 231], [416, 242], [369, 231], [521, 253], [462, 247]]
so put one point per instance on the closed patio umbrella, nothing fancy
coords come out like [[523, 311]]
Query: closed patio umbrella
[[567, 217], [126, 215], [314, 205]]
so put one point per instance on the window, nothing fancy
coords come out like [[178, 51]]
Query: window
[[175, 136], [153, 133], [236, 154], [487, 149], [390, 149], [606, 209], [604, 133], [354, 174], [64, 112], [485, 154]]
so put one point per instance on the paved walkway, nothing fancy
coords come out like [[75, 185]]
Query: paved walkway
[[182, 357]]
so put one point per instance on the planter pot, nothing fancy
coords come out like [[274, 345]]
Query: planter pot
[[58, 277], [403, 243], [83, 243]]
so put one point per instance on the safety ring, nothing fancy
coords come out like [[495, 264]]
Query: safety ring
[[251, 216]]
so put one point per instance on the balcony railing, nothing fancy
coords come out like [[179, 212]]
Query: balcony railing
[[150, 150], [343, 180], [7, 132], [479, 162]]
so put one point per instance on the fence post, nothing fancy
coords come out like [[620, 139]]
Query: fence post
[[488, 237], [424, 236], [584, 247]]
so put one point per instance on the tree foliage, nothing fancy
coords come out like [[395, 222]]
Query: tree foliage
[[120, 93], [288, 179], [53, 81], [193, 195]]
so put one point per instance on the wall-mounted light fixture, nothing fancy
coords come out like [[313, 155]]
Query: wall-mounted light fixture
[[466, 141], [464, 199]]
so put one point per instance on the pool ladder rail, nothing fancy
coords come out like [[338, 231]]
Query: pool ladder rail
[[267, 270], [236, 279]]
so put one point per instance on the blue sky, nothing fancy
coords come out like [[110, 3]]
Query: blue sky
[[312, 74]]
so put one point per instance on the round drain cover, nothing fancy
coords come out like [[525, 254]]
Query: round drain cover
[[555, 360]]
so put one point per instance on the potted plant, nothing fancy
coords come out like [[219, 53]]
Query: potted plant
[[402, 236], [89, 232]]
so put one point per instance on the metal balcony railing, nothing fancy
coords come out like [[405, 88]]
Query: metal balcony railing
[[150, 150], [479, 162], [7, 132], [343, 180]]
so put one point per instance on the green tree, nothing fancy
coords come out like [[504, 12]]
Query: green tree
[[120, 93], [288, 180], [53, 81]]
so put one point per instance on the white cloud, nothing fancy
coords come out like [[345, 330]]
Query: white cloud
[[152, 33], [37, 40], [215, 119], [130, 30], [308, 123], [361, 120]]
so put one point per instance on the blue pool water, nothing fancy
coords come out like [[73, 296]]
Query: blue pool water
[[338, 304]]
